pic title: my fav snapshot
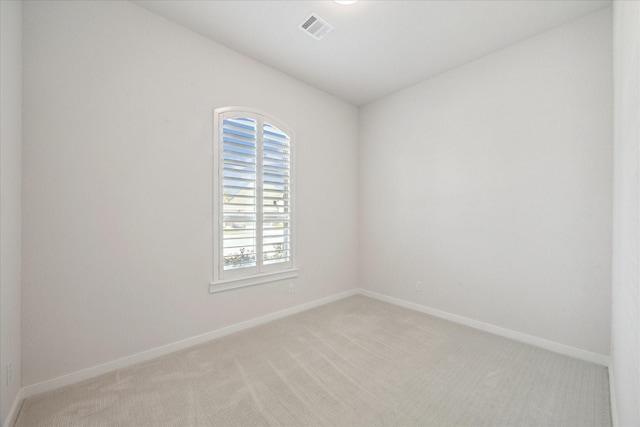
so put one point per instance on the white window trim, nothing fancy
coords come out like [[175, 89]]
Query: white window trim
[[256, 279], [232, 280]]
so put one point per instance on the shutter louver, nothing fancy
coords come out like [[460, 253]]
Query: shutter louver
[[276, 197], [239, 176]]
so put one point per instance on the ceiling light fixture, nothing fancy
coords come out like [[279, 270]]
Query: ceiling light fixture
[[345, 1]]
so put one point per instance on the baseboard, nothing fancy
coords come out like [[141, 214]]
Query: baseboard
[[612, 397], [496, 330], [124, 362], [15, 409]]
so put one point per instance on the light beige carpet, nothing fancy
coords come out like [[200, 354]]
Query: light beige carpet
[[355, 362]]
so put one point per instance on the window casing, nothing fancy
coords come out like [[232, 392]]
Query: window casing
[[253, 199]]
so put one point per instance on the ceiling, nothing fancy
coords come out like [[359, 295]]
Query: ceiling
[[377, 47]]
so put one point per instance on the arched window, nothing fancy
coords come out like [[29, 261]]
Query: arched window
[[253, 199]]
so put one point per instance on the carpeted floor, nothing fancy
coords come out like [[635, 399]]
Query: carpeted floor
[[354, 362]]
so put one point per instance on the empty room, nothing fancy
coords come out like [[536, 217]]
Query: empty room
[[338, 213]]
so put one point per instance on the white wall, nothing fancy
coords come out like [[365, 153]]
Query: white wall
[[494, 188], [118, 108], [10, 198], [625, 335], [491, 184]]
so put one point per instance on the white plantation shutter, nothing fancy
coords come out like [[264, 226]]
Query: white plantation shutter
[[239, 189], [276, 195], [253, 230]]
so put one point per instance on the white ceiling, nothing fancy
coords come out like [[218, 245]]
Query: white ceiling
[[377, 47]]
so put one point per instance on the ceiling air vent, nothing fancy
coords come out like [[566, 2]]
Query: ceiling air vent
[[315, 26]]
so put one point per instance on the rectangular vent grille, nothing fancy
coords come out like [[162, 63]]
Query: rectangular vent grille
[[315, 26]]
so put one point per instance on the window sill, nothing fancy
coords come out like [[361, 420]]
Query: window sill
[[258, 279]]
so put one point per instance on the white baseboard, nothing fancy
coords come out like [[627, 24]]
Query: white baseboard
[[588, 356], [124, 362], [15, 409], [612, 397]]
